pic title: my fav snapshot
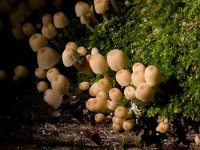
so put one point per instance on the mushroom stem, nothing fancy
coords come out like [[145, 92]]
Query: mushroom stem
[[66, 33], [114, 6], [89, 27], [104, 17]]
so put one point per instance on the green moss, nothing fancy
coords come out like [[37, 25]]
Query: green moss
[[164, 33]]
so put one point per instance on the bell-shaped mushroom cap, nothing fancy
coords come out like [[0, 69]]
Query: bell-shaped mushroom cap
[[101, 6], [60, 84], [3, 75], [47, 58], [94, 89], [111, 105], [99, 105], [21, 71], [128, 125], [52, 98], [37, 4], [81, 50], [89, 104], [121, 112], [138, 67], [129, 92], [81, 8], [42, 86], [98, 64], [60, 20], [163, 127], [102, 96], [104, 84], [153, 75], [17, 31], [5, 6], [137, 78], [71, 45], [84, 85], [37, 41], [117, 120], [99, 117], [51, 73], [115, 94], [40, 73], [28, 29], [69, 57], [49, 30], [116, 59], [47, 18], [123, 77], [144, 92]]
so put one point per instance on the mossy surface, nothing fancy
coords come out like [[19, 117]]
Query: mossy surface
[[164, 33]]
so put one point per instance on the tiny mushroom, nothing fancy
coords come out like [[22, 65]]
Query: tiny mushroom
[[123, 77], [37, 41], [40, 73], [42, 86], [51, 73], [100, 7], [20, 71], [28, 29]]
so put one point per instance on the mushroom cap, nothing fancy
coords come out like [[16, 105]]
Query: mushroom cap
[[153, 75], [81, 50], [121, 112], [28, 29], [102, 96], [51, 73], [21, 71], [101, 6], [42, 86], [47, 18], [84, 85], [89, 104], [128, 125], [47, 58], [94, 89], [98, 64], [137, 78], [115, 94], [104, 84], [163, 127], [129, 92], [69, 57], [144, 92], [60, 20], [71, 45], [117, 120], [138, 67], [17, 31], [40, 73], [37, 4], [111, 105], [37, 41], [116, 59], [116, 127], [49, 30], [52, 98], [99, 117], [99, 105], [81, 8], [123, 77], [94, 51], [60, 84]]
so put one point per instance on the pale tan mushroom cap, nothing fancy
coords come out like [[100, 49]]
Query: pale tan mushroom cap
[[21, 71], [49, 30], [163, 127], [71, 45], [137, 78], [101, 6], [81, 8], [121, 112], [138, 67], [52, 98], [69, 57], [47, 58], [115, 94], [123, 77], [129, 92], [128, 125], [98, 64], [40, 73], [37, 41], [116, 59], [28, 29], [42, 86], [51, 73], [47, 18], [60, 20]]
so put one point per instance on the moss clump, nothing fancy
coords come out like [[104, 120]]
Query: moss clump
[[166, 34]]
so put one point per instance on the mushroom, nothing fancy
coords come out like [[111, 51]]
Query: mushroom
[[28, 29], [82, 9], [128, 125], [115, 94], [99, 117], [49, 31], [37, 41], [47, 58], [3, 75], [70, 57], [42, 86], [129, 92], [89, 104], [138, 67], [111, 105], [51, 73], [121, 112], [40, 73], [104, 84], [137, 78], [123, 77], [84, 85], [94, 51], [47, 18], [60, 84], [61, 21], [100, 7], [117, 120], [20, 71], [81, 51], [17, 31], [163, 127], [94, 89], [116, 127], [153, 75], [116, 59], [52, 98], [71, 45], [99, 105], [86, 21], [144, 92]]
